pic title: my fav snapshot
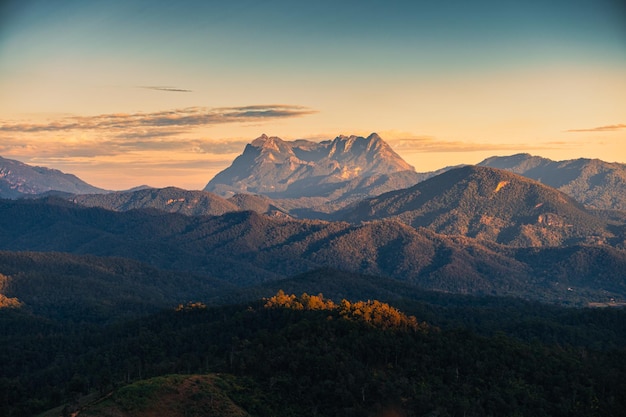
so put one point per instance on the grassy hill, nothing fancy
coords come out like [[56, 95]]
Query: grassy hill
[[172, 396]]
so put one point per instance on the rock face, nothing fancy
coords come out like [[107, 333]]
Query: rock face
[[18, 179], [301, 168]]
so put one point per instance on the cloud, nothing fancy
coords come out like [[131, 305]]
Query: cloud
[[220, 147], [426, 144], [55, 148], [165, 88], [181, 118], [609, 128]]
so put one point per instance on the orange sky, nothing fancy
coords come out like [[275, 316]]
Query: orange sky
[[169, 94]]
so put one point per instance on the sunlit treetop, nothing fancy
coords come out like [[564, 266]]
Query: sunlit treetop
[[372, 312]]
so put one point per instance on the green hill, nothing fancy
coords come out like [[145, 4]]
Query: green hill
[[172, 396]]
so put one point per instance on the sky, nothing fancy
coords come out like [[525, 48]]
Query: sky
[[125, 93]]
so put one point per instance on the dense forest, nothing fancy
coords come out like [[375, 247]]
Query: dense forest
[[290, 355]]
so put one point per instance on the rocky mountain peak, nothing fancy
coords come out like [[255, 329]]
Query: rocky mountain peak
[[260, 141], [267, 142], [272, 165]]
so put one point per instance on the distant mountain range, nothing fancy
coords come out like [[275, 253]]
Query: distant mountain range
[[471, 229], [592, 182], [18, 179], [247, 249], [176, 200], [488, 204], [313, 179]]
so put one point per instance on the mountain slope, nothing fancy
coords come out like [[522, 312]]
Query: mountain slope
[[246, 249], [592, 182], [92, 289], [18, 179], [170, 199], [487, 204], [257, 203]]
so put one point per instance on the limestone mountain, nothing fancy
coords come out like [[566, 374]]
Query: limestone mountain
[[487, 204], [346, 167], [18, 179], [595, 183]]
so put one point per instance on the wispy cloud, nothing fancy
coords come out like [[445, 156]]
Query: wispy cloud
[[609, 128], [112, 146], [181, 118], [165, 88], [429, 144]]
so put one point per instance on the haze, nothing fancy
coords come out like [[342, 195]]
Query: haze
[[123, 93]]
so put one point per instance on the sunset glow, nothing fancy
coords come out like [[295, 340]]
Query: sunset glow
[[125, 93]]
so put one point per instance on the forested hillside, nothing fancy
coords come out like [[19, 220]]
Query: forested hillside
[[245, 249], [308, 355], [487, 204]]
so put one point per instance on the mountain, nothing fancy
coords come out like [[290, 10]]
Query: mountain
[[96, 289], [246, 249], [177, 200], [592, 182], [18, 179], [258, 203], [170, 199], [272, 166], [346, 168], [487, 204]]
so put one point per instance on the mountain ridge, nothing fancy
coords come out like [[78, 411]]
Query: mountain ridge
[[247, 248], [486, 203], [593, 182], [18, 179]]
